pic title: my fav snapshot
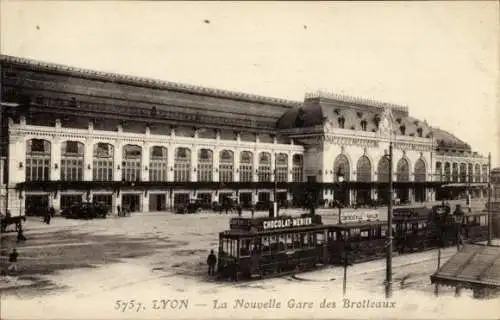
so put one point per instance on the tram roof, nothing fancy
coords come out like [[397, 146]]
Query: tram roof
[[248, 233]]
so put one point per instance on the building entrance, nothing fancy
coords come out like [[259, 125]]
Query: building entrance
[[264, 196], [105, 199], [157, 202], [36, 205], [68, 200], [131, 202], [246, 199]]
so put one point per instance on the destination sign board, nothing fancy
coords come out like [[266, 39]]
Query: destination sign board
[[358, 216], [440, 209], [287, 223]]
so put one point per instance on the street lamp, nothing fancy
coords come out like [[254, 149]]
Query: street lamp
[[340, 179]]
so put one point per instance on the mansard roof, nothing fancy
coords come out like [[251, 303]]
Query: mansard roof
[[56, 81], [448, 140]]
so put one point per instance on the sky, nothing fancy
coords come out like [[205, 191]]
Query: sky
[[441, 59]]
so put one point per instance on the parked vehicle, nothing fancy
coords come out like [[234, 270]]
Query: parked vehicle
[[193, 206], [85, 210]]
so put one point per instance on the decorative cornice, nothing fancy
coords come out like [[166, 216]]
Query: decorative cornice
[[141, 81], [356, 100], [358, 141]]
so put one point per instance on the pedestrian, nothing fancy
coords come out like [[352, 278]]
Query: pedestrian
[[52, 212], [47, 217], [13, 260], [118, 210], [20, 234], [253, 211], [211, 261], [239, 210]]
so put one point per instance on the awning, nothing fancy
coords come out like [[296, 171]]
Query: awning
[[473, 267]]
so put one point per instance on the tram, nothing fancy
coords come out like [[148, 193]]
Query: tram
[[264, 247]]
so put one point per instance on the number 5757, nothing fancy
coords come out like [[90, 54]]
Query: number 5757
[[126, 305]]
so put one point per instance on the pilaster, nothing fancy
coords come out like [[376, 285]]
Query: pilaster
[[118, 161], [145, 162], [216, 163], [55, 156], [194, 163], [236, 168], [87, 159], [171, 161]]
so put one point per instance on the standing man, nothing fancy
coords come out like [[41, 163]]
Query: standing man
[[211, 261]]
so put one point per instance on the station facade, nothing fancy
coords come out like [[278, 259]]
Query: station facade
[[72, 135]]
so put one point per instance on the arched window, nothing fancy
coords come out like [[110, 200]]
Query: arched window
[[477, 173], [364, 125], [131, 164], [419, 132], [298, 168], [420, 171], [439, 171], [341, 168], [463, 172], [246, 166], [402, 129], [72, 153], [102, 169], [158, 163], [264, 173], [281, 164], [454, 173], [226, 165], [383, 170], [470, 172], [182, 164], [205, 165], [484, 171], [403, 170], [364, 169], [37, 160], [341, 121], [447, 172]]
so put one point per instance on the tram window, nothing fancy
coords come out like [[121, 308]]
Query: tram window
[[289, 243], [354, 232], [266, 249], [244, 247], [296, 241], [274, 243], [281, 242], [364, 234], [344, 235], [383, 231], [311, 241], [332, 236], [319, 238], [483, 221]]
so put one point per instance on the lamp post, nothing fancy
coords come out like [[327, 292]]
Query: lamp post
[[388, 275], [490, 226], [275, 203], [340, 179]]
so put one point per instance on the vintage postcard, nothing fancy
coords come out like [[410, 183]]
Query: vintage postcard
[[249, 160]]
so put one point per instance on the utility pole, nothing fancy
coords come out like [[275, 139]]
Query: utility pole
[[490, 226], [388, 275]]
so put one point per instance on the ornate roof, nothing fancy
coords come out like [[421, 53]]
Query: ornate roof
[[141, 81], [445, 139]]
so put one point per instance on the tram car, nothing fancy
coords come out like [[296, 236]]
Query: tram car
[[263, 247]]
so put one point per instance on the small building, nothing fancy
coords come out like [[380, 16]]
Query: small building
[[474, 267]]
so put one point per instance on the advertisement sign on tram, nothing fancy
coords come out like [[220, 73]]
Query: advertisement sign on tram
[[359, 216]]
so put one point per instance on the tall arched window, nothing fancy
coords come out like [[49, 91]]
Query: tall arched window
[[484, 173], [364, 169], [205, 165], [447, 172], [102, 169], [454, 172], [131, 164], [463, 172], [264, 173], [226, 165], [403, 170], [158, 163], [439, 171], [37, 160], [72, 153], [246, 166], [477, 173], [298, 168], [383, 170], [182, 164], [341, 167], [470, 172], [281, 167], [420, 171], [341, 121]]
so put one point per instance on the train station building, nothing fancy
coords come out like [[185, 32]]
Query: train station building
[[72, 135]]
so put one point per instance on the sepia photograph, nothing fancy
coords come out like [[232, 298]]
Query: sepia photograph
[[249, 160]]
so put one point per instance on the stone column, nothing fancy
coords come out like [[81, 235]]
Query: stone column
[[216, 173], [55, 155], [171, 162], [145, 162], [290, 167], [236, 162], [194, 164], [145, 201], [88, 159], [118, 153], [255, 165]]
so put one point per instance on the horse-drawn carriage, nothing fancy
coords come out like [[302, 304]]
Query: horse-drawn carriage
[[6, 221]]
